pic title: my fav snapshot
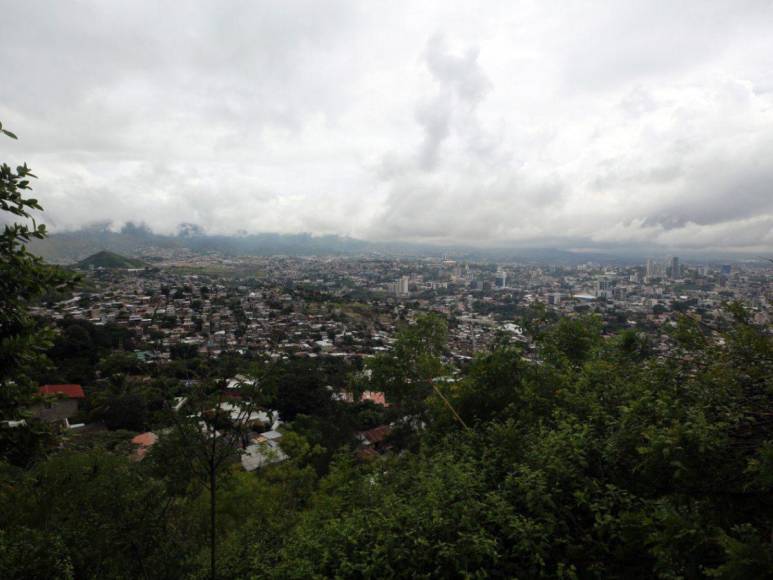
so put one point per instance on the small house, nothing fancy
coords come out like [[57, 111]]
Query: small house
[[60, 403]]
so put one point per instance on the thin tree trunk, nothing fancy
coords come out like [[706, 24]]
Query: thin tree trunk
[[212, 537], [450, 406]]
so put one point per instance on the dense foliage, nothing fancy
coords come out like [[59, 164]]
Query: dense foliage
[[23, 279], [601, 461]]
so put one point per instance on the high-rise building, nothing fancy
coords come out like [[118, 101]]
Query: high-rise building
[[403, 285], [603, 287], [501, 279], [675, 269], [650, 271]]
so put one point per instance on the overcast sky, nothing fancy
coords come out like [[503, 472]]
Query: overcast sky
[[565, 124]]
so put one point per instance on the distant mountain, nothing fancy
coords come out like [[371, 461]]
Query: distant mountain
[[134, 240], [72, 246], [105, 259], [139, 240]]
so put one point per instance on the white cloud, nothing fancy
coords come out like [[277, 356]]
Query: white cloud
[[633, 124]]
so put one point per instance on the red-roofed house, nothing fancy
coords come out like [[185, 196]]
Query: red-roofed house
[[60, 402], [373, 440], [143, 441], [69, 391], [375, 397]]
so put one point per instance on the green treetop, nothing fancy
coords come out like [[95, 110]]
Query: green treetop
[[24, 278]]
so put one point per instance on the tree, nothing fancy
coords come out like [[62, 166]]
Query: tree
[[207, 437], [120, 363], [601, 459], [298, 387], [183, 351], [24, 277], [91, 515], [128, 411], [492, 383], [406, 373], [572, 340], [29, 553]]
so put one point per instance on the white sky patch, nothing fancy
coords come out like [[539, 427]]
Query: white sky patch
[[645, 123]]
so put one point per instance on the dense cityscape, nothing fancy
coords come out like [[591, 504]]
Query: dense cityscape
[[351, 307]]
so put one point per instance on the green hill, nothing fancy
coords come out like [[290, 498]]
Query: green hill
[[106, 259]]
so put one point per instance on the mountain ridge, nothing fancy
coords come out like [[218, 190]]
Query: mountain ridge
[[68, 247]]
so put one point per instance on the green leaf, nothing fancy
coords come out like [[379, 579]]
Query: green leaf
[[11, 135]]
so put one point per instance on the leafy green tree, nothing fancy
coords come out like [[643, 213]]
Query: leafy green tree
[[184, 351], [406, 373], [298, 387], [203, 445], [91, 515], [28, 553], [572, 340], [600, 460], [128, 411], [120, 363], [23, 279], [494, 381]]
